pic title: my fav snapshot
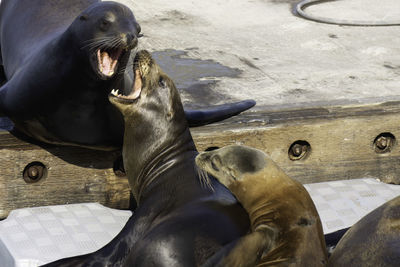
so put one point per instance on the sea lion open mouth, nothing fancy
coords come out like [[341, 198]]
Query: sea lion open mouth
[[135, 94], [107, 60], [142, 64]]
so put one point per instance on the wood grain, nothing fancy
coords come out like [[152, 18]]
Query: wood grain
[[74, 175], [341, 140]]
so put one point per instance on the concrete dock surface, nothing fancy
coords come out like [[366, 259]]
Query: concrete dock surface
[[227, 50]]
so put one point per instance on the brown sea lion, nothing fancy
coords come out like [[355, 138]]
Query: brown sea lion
[[285, 226], [177, 221], [373, 241]]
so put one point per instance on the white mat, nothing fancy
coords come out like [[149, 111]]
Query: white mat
[[341, 204], [34, 236]]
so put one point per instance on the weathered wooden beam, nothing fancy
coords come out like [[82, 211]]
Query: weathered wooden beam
[[341, 143], [342, 140], [72, 175]]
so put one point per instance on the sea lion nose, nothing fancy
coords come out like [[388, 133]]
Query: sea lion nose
[[131, 40]]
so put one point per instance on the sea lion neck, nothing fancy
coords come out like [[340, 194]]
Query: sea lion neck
[[156, 153]]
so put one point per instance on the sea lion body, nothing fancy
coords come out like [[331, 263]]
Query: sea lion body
[[60, 60], [286, 228], [177, 221], [372, 241]]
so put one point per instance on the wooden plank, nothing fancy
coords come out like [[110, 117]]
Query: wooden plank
[[74, 175], [341, 140]]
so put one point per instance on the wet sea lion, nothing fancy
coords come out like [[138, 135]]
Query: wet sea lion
[[177, 222], [60, 60], [372, 241], [286, 229]]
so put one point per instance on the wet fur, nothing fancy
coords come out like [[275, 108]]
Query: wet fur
[[286, 228], [178, 222]]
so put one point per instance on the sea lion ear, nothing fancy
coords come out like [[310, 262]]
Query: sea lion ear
[[84, 17]]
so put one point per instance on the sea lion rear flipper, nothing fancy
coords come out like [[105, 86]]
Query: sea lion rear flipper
[[217, 113]]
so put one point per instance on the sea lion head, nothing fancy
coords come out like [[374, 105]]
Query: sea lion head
[[106, 33], [150, 88], [154, 120], [231, 163]]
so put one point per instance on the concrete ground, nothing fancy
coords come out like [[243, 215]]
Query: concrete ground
[[227, 50]]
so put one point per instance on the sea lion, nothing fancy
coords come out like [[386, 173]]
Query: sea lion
[[286, 229], [372, 241], [60, 60], [177, 222]]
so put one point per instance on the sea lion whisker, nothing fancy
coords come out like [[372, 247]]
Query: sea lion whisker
[[204, 178], [95, 45], [273, 262], [115, 42], [103, 42], [99, 38]]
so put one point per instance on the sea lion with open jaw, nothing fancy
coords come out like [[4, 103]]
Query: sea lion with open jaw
[[285, 226], [177, 222], [60, 60]]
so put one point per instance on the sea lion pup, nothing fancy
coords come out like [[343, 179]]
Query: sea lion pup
[[372, 241], [60, 60], [177, 222], [285, 226]]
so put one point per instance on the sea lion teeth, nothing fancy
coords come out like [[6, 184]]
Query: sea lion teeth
[[115, 92]]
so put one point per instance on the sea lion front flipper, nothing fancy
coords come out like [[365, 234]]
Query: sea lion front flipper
[[217, 113], [245, 252]]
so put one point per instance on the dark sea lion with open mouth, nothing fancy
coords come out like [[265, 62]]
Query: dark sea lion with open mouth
[[60, 60], [178, 222], [286, 229]]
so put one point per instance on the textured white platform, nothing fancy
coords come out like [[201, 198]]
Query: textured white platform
[[34, 236], [341, 204]]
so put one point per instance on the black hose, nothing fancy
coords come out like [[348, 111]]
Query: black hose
[[301, 6]]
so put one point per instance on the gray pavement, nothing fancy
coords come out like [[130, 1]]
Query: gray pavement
[[226, 50]]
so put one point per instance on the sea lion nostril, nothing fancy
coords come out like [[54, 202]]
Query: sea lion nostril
[[131, 40], [129, 37]]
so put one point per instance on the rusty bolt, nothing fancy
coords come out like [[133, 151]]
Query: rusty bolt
[[384, 143], [34, 171], [299, 150]]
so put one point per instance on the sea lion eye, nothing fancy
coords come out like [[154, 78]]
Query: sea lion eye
[[105, 24]]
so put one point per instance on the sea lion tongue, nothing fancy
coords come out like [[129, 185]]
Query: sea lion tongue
[[108, 60]]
